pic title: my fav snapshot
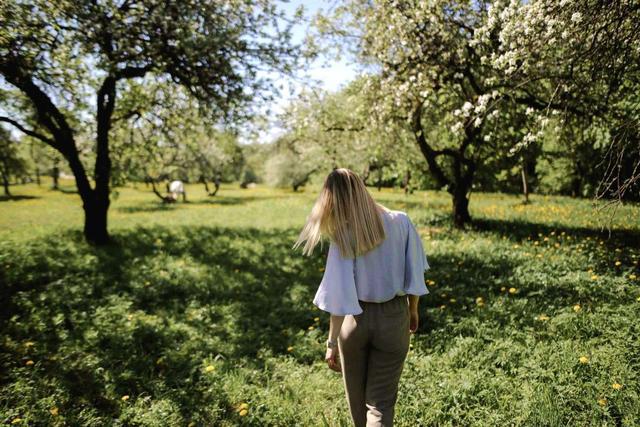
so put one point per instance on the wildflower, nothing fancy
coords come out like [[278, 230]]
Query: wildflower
[[243, 412], [290, 349], [125, 398], [480, 301], [311, 328], [29, 363], [54, 411], [616, 386], [594, 277], [16, 420], [442, 307], [29, 344], [452, 300], [243, 405], [618, 263], [543, 317], [209, 368], [602, 401], [512, 290], [577, 308], [316, 319], [584, 360], [632, 276]]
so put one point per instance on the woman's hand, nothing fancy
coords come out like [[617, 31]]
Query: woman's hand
[[413, 321], [333, 359]]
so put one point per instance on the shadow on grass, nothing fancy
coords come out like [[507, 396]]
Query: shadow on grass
[[521, 230], [146, 315], [16, 198]]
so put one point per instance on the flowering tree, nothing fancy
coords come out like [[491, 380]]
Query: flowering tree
[[69, 61], [462, 74]]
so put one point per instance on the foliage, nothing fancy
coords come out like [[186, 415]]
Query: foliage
[[194, 323]]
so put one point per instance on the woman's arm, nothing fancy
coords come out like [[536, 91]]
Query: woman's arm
[[413, 303], [335, 324]]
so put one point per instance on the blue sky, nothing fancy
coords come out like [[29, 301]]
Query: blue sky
[[329, 73]]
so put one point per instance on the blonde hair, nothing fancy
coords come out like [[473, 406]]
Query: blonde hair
[[346, 213]]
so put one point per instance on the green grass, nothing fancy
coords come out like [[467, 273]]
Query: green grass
[[200, 307]]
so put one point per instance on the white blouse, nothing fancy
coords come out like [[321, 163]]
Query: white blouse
[[394, 267]]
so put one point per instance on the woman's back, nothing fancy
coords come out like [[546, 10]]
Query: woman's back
[[394, 267]]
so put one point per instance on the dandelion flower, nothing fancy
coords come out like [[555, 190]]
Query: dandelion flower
[[243, 412], [479, 301], [316, 319], [512, 290], [602, 401], [311, 328], [29, 362], [577, 308], [125, 398], [632, 276], [543, 317], [209, 368], [16, 420], [54, 411], [584, 360], [616, 386], [290, 349], [594, 277], [502, 289], [243, 405]]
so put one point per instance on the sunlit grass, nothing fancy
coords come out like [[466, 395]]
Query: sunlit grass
[[201, 314]]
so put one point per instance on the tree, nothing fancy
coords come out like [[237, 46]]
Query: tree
[[454, 69], [11, 163], [59, 55]]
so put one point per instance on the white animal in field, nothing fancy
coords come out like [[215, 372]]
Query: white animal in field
[[175, 188]]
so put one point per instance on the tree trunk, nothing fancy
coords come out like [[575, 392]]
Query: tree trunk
[[5, 183], [95, 218], [38, 176], [525, 187], [460, 208], [55, 174]]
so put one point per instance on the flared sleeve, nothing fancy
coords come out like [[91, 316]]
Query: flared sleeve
[[415, 263], [337, 291]]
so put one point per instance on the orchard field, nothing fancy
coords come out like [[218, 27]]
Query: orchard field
[[200, 314]]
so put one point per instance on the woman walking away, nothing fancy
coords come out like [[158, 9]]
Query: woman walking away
[[372, 281]]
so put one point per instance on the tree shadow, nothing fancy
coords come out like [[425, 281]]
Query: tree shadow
[[16, 198], [520, 230]]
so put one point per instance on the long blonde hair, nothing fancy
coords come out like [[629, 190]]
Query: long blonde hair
[[346, 213]]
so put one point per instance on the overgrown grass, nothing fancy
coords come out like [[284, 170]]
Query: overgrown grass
[[200, 310]]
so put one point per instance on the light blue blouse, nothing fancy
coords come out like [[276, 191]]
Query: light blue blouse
[[394, 267]]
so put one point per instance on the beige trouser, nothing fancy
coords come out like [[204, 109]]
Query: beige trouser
[[373, 346]]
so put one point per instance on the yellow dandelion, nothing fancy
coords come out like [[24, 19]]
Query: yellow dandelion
[[29, 344], [594, 277], [616, 386], [479, 301], [243, 412], [632, 276], [452, 300], [311, 328], [290, 349], [16, 420], [209, 368], [316, 319], [618, 263], [29, 362], [543, 317], [577, 308], [638, 299], [54, 411], [125, 398], [584, 360], [602, 401], [442, 307], [512, 290], [502, 289], [243, 406]]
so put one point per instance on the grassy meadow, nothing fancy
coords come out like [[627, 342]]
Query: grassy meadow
[[200, 314]]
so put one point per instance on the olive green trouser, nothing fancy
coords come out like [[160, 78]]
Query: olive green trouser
[[373, 346]]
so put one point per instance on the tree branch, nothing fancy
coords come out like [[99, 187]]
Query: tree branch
[[29, 132]]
